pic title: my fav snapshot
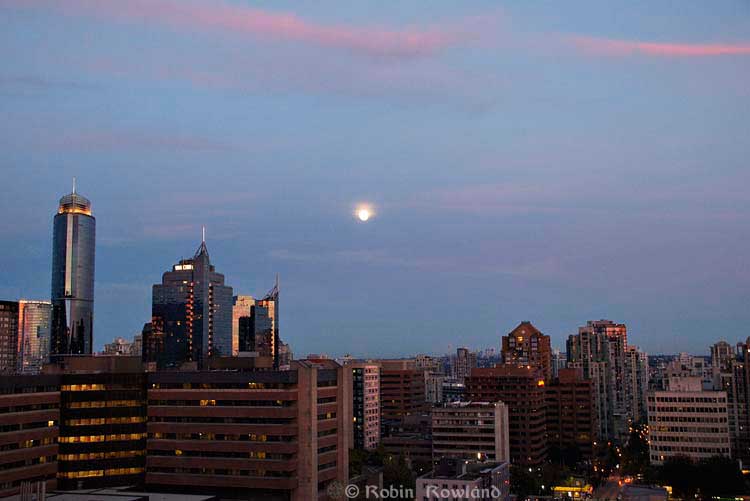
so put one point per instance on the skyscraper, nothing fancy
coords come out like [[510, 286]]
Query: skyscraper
[[258, 330], [33, 334], [191, 314], [240, 308], [73, 248]]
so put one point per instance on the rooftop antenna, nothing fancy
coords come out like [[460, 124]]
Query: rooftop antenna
[[74, 185], [203, 237]]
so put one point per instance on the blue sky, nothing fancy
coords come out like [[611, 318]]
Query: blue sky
[[545, 161]]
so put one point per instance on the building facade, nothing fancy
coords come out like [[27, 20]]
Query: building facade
[[527, 346], [365, 404], [571, 418], [241, 307], [191, 314], [8, 336], [29, 419], [402, 393], [522, 390], [34, 321], [471, 430], [465, 480], [684, 420], [250, 434], [463, 363], [599, 349], [73, 256]]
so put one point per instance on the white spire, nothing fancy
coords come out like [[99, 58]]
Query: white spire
[[203, 237], [74, 185]]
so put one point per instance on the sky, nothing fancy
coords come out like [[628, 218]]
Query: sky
[[549, 161]]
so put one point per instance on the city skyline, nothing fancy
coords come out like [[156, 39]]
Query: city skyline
[[549, 163]]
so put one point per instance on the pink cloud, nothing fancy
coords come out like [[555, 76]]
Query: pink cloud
[[612, 47], [264, 24]]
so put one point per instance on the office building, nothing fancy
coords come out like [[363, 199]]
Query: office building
[[191, 314], [34, 320], [571, 418], [29, 418], [365, 404], [401, 392], [8, 336], [250, 434], [259, 331], [465, 480], [240, 308], [527, 346], [522, 390], [684, 420], [471, 430], [102, 421], [73, 252]]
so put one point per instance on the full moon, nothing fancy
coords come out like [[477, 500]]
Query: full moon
[[363, 214]]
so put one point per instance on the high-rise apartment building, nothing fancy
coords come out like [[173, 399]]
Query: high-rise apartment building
[[471, 430], [463, 363], [401, 392], [527, 346], [34, 320], [8, 336], [722, 355], [365, 404], [522, 390], [191, 314], [29, 418], [684, 420], [73, 252], [248, 434], [636, 374], [571, 417], [599, 349]]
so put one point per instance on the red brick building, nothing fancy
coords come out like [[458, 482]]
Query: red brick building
[[527, 346], [402, 393], [522, 390], [571, 414]]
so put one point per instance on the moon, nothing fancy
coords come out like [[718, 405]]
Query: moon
[[363, 214]]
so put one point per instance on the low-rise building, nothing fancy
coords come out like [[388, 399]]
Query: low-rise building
[[465, 480], [471, 430]]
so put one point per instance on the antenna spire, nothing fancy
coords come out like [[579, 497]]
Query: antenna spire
[[203, 236], [74, 185]]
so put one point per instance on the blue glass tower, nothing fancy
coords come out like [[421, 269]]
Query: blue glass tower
[[73, 249]]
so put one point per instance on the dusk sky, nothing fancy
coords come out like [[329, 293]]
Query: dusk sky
[[547, 161]]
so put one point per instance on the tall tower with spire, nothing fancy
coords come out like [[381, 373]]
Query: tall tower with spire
[[73, 253], [191, 314]]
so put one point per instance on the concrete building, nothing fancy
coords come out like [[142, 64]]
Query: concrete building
[[684, 420], [599, 349], [571, 417], [365, 404], [250, 434], [433, 387], [722, 355], [102, 421], [465, 480], [29, 420], [401, 392], [463, 363], [8, 336], [527, 346], [471, 430], [636, 383], [522, 390]]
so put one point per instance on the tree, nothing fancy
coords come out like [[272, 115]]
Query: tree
[[719, 476], [681, 473]]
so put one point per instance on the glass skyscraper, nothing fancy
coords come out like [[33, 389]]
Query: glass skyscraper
[[191, 314], [73, 242], [33, 334]]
